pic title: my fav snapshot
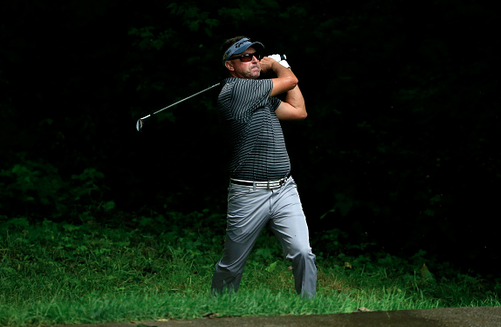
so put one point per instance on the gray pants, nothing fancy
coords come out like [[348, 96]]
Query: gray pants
[[249, 210]]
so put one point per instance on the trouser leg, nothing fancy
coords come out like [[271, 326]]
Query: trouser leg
[[288, 223], [248, 213]]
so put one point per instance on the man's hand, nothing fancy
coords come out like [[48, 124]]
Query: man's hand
[[281, 59], [267, 65]]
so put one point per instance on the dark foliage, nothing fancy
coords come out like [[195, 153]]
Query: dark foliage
[[400, 146]]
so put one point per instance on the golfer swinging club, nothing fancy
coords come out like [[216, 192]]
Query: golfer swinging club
[[261, 189]]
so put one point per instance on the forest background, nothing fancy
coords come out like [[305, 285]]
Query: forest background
[[399, 152]]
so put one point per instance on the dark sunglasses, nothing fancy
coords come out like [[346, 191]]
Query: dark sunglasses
[[247, 57]]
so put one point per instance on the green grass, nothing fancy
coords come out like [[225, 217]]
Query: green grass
[[54, 273]]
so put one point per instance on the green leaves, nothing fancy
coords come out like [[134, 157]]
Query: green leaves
[[147, 39], [88, 182], [253, 10], [40, 189], [194, 17], [31, 181]]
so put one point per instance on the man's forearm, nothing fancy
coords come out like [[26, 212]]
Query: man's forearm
[[285, 80], [293, 106], [283, 72], [295, 98]]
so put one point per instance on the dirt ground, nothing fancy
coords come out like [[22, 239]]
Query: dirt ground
[[449, 317]]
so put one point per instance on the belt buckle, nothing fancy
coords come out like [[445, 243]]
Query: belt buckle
[[275, 184]]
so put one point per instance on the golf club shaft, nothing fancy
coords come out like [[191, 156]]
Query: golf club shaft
[[171, 105]]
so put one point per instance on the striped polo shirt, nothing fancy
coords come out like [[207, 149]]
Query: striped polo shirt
[[257, 145]]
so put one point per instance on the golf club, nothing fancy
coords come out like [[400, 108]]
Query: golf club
[[139, 123]]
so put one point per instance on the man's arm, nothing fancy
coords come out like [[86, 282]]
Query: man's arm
[[293, 108]]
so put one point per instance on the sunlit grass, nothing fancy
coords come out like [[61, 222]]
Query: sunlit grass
[[60, 273]]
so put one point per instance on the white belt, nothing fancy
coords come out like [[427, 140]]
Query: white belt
[[265, 185]]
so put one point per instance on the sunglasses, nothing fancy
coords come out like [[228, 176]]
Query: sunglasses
[[247, 57]]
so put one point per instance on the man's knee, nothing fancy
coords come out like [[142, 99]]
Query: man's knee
[[301, 253]]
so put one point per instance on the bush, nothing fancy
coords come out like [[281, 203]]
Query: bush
[[35, 188]]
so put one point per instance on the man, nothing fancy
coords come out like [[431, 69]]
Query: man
[[261, 189]]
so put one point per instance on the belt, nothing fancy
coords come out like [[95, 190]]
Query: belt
[[265, 185]]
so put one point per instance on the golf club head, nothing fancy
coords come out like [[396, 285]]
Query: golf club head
[[139, 125]]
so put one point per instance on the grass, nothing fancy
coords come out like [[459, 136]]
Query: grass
[[55, 273]]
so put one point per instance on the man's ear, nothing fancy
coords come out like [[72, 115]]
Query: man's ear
[[229, 65]]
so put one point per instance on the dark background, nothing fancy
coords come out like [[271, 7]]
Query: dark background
[[400, 148]]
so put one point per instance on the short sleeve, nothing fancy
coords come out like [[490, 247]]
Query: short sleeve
[[241, 97]]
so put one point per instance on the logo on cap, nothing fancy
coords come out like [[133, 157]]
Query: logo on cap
[[239, 43]]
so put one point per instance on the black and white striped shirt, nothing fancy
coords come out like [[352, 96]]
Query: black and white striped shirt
[[257, 144]]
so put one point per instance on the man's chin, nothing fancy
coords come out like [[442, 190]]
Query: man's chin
[[255, 73]]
